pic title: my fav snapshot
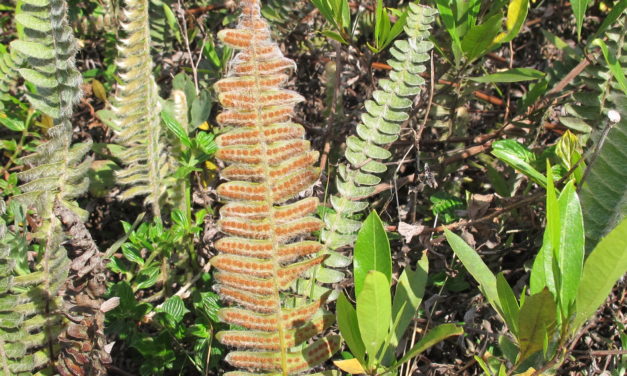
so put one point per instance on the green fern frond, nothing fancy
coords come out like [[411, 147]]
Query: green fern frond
[[137, 106], [264, 252], [10, 63], [57, 171], [380, 126], [29, 323], [604, 192]]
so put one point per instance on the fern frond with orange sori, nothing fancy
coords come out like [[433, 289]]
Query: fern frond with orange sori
[[265, 249]]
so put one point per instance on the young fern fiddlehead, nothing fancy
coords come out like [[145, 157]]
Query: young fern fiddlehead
[[137, 107], [270, 163], [380, 126]]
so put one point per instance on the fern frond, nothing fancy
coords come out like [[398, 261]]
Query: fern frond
[[10, 63], [264, 253], [380, 126], [57, 171], [604, 192], [137, 107], [29, 323]]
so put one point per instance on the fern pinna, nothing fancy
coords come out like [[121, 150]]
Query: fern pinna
[[270, 163]]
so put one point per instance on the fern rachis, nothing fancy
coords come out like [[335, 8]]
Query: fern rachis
[[270, 164]]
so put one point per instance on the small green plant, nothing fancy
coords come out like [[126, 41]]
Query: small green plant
[[374, 328], [563, 292]]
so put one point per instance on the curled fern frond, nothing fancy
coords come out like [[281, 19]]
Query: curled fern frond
[[264, 252], [137, 107], [380, 126]]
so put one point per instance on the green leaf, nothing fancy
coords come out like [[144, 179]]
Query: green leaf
[[518, 157], [537, 319], [131, 253], [374, 312], [175, 307], [372, 251], [509, 303], [613, 64], [173, 125], [433, 337], [476, 267], [12, 124], [605, 265], [446, 13], [579, 9], [570, 254], [617, 9], [516, 15], [511, 75], [349, 327], [407, 298], [479, 39], [147, 277], [335, 36]]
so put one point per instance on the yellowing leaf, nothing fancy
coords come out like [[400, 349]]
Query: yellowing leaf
[[529, 372], [99, 90], [204, 126], [46, 122], [351, 366], [516, 15], [210, 166]]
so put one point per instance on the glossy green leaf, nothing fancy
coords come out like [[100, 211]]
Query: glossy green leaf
[[433, 337], [175, 307], [374, 312], [511, 75], [605, 265], [147, 277], [537, 320], [476, 267], [372, 251], [570, 254], [349, 327]]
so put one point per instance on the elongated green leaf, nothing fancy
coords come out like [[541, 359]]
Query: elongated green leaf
[[433, 337], [407, 298], [349, 327], [509, 303], [579, 9], [511, 75], [617, 9], [518, 157], [537, 318], [448, 19], [605, 265], [372, 251], [374, 311], [613, 64], [570, 253], [476, 267]]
